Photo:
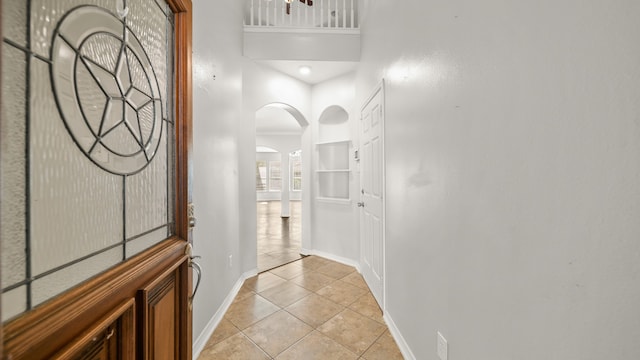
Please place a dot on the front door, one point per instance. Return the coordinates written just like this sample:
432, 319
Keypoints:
95, 133
371, 194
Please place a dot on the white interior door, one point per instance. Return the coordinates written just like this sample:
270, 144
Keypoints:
371, 194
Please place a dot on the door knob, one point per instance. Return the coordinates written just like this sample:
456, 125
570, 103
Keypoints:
361, 204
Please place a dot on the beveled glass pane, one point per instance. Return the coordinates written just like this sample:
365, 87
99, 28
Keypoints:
45, 15
14, 21
13, 165
59, 281
76, 207
144, 242
162, 4
14, 302
100, 147
149, 24
146, 194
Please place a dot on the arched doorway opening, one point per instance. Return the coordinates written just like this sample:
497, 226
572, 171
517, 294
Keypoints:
279, 189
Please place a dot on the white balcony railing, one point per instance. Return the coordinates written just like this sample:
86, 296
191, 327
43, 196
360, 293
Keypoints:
323, 14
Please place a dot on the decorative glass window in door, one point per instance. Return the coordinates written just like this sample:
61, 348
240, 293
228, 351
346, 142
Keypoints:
87, 162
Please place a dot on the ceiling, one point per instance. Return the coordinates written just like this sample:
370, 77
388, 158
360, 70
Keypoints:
320, 70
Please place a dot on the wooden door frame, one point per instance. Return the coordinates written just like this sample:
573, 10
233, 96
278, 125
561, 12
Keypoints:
1, 37
41, 332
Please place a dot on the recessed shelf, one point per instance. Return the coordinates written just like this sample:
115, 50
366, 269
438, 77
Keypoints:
340, 201
335, 142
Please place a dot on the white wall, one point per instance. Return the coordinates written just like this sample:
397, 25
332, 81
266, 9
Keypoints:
217, 48
262, 86
224, 150
335, 225
513, 175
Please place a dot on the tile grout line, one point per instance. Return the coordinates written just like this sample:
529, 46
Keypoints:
341, 308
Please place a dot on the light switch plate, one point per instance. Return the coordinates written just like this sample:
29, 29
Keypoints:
443, 347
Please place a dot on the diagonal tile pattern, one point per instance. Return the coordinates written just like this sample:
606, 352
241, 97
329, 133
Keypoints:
313, 308
278, 237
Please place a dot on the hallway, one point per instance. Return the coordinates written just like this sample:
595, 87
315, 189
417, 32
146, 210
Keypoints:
312, 308
278, 237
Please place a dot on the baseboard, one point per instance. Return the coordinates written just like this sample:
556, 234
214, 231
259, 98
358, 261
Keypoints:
397, 336
204, 336
329, 256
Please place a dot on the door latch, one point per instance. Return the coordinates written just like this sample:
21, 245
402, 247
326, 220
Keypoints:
190, 216
361, 204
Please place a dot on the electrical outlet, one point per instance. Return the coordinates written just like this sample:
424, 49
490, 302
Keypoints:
442, 347
230, 261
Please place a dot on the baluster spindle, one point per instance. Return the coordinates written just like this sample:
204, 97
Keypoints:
259, 12
321, 13
275, 14
353, 25
344, 13
268, 14
252, 5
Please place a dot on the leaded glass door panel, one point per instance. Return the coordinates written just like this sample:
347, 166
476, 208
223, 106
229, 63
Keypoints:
93, 160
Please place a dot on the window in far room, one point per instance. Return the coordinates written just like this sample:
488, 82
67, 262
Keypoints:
295, 161
275, 176
261, 175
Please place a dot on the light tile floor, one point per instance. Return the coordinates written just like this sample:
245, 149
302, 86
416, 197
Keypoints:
278, 237
309, 309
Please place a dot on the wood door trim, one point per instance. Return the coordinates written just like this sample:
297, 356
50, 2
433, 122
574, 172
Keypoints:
184, 112
126, 307
1, 37
184, 148
47, 328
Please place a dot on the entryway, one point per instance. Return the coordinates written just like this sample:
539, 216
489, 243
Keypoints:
278, 237
279, 130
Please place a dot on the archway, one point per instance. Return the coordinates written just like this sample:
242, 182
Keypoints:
279, 130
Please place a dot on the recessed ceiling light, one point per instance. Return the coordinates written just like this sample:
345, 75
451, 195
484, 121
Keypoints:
305, 70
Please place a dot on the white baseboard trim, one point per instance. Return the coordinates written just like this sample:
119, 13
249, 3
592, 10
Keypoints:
329, 256
204, 336
397, 336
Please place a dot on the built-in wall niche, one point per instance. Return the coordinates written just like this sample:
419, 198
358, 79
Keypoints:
333, 170
333, 125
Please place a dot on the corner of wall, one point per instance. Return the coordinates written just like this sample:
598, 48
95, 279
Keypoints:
201, 341
397, 336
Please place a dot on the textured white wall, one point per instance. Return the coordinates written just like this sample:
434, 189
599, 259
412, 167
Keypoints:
335, 225
217, 105
513, 175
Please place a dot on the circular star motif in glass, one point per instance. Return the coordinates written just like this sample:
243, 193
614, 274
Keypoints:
106, 90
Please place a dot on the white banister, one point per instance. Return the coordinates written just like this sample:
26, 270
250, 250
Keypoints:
331, 14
